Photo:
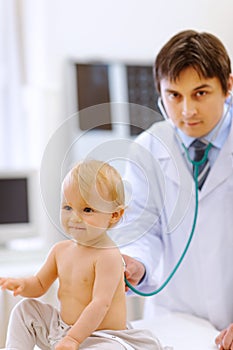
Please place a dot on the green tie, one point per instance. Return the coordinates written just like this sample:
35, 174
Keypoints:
197, 151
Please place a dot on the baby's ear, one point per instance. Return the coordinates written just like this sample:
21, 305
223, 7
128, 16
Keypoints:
116, 216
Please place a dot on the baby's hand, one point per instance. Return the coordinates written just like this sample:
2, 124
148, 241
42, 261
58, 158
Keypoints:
16, 285
67, 343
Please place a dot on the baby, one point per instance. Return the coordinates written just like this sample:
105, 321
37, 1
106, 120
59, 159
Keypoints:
90, 271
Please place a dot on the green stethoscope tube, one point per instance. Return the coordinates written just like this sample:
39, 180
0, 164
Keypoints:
196, 166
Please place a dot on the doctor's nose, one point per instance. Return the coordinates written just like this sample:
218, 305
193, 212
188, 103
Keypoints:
188, 109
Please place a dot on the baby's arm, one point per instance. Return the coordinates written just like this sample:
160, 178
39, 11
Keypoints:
34, 286
26, 287
108, 273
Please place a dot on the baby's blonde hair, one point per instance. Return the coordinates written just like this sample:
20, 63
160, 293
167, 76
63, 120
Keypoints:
101, 177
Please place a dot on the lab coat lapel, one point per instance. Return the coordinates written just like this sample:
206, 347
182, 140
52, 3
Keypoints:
175, 168
222, 167
176, 173
171, 158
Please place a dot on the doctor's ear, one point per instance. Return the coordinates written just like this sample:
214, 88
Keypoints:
230, 85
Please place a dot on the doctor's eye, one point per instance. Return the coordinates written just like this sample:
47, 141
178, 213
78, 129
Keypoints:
201, 93
174, 95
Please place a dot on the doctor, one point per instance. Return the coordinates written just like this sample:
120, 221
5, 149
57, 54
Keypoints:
193, 77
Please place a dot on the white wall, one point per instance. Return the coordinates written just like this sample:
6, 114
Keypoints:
56, 31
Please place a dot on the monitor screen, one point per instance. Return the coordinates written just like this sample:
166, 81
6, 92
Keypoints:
141, 91
14, 201
113, 84
93, 89
18, 204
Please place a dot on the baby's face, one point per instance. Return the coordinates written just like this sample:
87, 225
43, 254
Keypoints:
85, 222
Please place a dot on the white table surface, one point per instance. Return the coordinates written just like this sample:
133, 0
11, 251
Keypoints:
181, 331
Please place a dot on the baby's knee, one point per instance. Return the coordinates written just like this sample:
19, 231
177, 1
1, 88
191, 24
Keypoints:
25, 306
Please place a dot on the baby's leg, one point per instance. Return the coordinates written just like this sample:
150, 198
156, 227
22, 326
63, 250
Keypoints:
94, 343
128, 339
30, 324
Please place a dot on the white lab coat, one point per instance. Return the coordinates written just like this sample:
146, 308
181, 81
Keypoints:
160, 217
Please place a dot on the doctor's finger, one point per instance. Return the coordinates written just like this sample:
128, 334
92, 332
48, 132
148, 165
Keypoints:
228, 338
219, 338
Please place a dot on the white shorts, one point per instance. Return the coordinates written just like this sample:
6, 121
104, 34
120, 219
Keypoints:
33, 322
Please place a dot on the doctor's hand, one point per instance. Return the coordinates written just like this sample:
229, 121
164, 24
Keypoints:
224, 340
134, 270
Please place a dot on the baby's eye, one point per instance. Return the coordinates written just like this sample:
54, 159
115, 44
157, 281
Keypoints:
67, 207
88, 210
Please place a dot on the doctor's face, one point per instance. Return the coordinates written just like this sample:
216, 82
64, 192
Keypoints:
193, 103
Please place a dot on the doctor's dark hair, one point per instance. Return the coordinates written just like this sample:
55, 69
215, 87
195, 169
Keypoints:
202, 51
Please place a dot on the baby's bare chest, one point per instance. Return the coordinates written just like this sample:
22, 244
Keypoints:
76, 270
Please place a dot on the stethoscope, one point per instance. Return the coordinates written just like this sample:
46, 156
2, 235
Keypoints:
196, 165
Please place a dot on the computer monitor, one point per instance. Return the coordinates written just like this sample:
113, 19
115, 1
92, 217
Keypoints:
19, 196
109, 82
92, 89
